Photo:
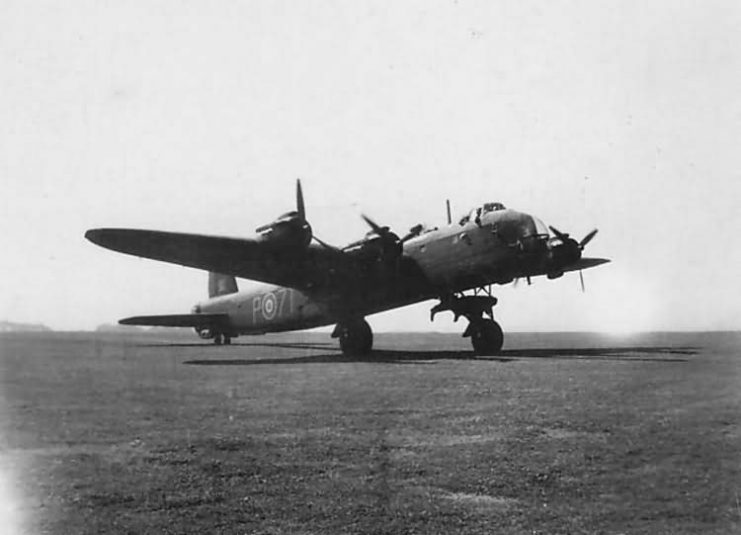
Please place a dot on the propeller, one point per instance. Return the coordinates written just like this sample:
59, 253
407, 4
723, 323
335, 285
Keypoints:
384, 231
569, 250
378, 229
300, 209
392, 245
301, 215
292, 229
564, 237
586, 239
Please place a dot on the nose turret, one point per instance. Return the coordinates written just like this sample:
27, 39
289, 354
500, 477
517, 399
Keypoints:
520, 230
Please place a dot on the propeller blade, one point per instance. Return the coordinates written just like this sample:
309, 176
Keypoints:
581, 279
375, 226
392, 246
415, 231
300, 201
559, 234
587, 239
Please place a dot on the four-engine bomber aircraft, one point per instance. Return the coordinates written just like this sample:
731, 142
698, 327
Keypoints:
311, 283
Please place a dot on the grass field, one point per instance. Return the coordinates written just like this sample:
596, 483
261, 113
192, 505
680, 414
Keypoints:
563, 433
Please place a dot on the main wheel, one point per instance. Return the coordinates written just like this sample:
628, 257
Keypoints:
218, 339
356, 338
487, 337
227, 340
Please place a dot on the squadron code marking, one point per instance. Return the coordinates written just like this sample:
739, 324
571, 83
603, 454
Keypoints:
273, 304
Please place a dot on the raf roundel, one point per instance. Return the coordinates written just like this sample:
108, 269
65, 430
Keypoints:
269, 306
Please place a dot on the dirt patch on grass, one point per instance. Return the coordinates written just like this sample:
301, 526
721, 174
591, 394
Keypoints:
435, 440
480, 500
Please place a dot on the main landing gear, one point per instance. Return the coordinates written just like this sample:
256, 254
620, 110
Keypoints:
486, 335
222, 339
356, 337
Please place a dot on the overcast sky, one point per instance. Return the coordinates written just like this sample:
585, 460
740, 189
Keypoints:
198, 117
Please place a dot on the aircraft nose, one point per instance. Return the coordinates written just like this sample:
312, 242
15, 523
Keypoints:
522, 230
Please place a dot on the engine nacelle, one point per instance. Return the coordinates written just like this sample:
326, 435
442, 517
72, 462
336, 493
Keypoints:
289, 230
385, 248
562, 253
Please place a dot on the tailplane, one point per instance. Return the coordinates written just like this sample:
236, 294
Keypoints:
219, 284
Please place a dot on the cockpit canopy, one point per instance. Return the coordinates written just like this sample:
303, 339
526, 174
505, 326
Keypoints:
481, 210
493, 207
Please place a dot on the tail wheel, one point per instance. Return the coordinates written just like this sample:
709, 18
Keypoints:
356, 338
487, 337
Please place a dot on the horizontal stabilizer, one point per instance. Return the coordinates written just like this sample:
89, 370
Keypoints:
586, 263
178, 320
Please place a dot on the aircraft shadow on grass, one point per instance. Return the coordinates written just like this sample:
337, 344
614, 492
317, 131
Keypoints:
638, 354
288, 345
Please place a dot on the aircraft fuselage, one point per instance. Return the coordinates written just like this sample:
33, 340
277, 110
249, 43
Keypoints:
478, 251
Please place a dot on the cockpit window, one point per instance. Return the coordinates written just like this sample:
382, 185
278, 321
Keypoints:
493, 207
476, 213
540, 227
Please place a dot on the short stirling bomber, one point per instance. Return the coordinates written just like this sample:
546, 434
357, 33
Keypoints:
309, 283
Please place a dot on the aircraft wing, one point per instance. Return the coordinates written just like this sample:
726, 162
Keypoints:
178, 320
586, 263
302, 268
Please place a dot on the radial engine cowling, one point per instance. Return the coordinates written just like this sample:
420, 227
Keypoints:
289, 230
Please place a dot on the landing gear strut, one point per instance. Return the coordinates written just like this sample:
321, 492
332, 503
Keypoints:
356, 337
222, 339
486, 335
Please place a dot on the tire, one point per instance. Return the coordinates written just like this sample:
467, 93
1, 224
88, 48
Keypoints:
356, 338
487, 338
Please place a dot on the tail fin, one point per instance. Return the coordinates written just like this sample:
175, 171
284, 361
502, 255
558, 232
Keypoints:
219, 284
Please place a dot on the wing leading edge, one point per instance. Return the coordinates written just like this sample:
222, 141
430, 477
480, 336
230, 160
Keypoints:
586, 263
246, 258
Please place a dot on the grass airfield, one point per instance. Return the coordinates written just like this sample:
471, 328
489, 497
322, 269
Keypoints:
562, 433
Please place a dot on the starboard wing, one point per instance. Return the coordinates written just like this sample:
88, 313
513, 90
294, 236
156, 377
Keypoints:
301, 268
586, 263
